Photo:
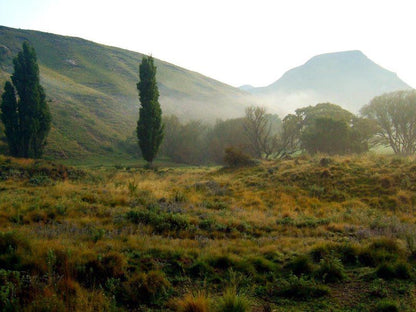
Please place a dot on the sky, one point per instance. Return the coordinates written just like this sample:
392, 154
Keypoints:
236, 42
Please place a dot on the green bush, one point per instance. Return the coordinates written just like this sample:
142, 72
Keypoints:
299, 288
162, 222
380, 251
147, 287
386, 306
300, 265
331, 270
231, 301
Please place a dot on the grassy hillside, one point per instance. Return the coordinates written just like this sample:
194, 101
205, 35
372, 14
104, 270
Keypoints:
92, 91
308, 234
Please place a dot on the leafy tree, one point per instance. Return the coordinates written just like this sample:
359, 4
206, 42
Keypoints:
184, 143
325, 128
226, 134
395, 114
258, 127
149, 125
26, 118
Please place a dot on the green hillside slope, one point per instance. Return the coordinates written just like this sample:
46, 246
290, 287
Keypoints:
92, 91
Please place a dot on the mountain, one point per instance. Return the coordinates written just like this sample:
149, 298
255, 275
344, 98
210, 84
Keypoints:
91, 89
349, 79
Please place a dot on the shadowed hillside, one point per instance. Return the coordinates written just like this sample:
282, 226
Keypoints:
92, 92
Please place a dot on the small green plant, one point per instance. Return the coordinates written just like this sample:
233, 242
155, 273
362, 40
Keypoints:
231, 301
132, 187
331, 270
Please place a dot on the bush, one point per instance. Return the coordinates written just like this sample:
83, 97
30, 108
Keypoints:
299, 288
386, 306
389, 271
331, 270
300, 265
147, 287
12, 246
233, 302
236, 158
380, 251
161, 222
193, 303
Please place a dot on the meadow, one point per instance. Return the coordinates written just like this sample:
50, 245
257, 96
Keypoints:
304, 234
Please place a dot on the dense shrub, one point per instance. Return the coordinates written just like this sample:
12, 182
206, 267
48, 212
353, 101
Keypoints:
146, 287
380, 251
236, 158
386, 306
162, 222
299, 288
300, 265
331, 270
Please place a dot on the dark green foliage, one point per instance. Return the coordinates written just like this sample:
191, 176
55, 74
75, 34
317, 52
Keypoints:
386, 306
147, 287
149, 125
300, 265
299, 288
10, 117
331, 270
162, 222
390, 271
26, 119
326, 128
380, 251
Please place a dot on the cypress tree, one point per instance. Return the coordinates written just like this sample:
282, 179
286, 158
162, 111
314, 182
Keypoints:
149, 125
28, 118
9, 117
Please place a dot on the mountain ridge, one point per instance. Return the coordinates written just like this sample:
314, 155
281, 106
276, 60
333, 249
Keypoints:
346, 78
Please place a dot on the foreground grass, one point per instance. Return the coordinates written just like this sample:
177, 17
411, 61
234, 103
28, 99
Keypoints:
308, 234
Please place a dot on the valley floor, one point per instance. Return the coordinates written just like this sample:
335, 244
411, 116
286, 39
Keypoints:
306, 234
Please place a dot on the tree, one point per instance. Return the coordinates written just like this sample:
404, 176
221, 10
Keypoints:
395, 114
149, 125
26, 118
325, 128
258, 127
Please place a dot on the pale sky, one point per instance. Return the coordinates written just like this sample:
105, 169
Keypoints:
236, 42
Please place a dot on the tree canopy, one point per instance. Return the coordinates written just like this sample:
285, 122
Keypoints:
149, 125
326, 128
395, 114
25, 113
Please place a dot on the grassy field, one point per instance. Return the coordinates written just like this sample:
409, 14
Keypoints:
306, 234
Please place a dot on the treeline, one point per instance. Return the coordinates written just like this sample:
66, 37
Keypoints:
388, 120
195, 142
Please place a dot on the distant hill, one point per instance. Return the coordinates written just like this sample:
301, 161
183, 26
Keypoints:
92, 91
349, 79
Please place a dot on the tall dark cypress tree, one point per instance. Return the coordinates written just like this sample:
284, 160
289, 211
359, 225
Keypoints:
10, 118
29, 123
149, 125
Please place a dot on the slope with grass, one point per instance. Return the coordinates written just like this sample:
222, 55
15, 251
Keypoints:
308, 234
92, 91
